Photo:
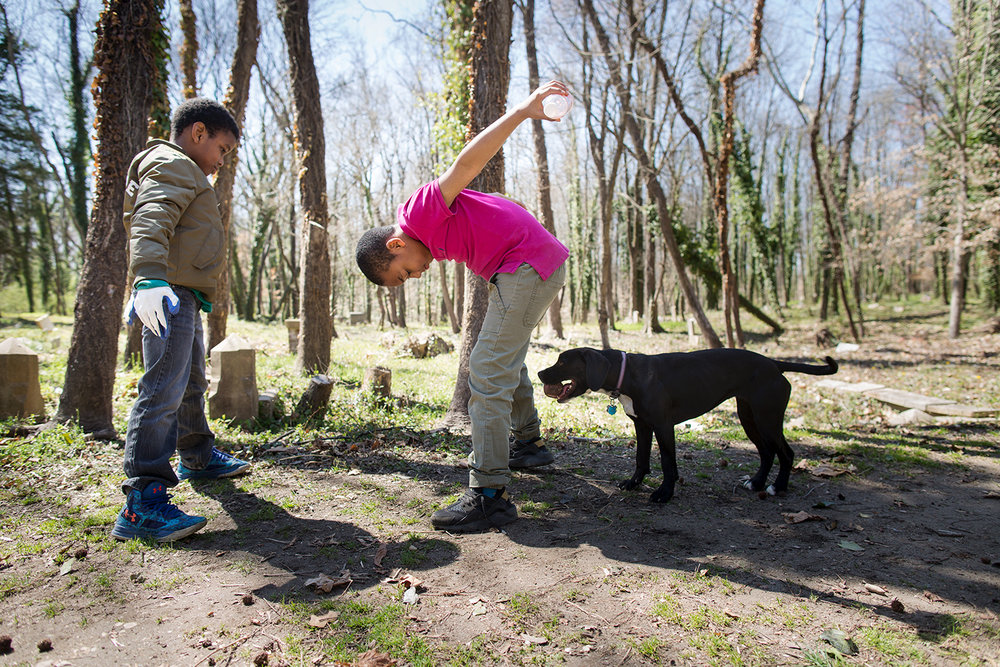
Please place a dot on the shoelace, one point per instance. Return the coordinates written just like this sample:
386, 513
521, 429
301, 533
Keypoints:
162, 505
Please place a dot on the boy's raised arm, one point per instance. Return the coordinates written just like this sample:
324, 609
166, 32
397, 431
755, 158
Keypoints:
485, 145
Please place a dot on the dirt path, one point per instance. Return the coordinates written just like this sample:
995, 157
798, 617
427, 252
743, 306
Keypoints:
888, 535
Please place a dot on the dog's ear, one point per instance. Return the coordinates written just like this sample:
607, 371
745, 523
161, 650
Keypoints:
597, 369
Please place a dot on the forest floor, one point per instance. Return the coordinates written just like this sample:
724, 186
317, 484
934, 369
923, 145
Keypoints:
885, 550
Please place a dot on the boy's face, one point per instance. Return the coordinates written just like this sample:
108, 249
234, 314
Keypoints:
207, 150
410, 258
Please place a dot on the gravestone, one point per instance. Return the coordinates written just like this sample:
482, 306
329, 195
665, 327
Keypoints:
293, 335
232, 392
20, 392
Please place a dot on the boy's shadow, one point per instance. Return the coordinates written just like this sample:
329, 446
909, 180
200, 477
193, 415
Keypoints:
290, 550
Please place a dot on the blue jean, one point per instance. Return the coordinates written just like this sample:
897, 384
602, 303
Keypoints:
502, 397
169, 414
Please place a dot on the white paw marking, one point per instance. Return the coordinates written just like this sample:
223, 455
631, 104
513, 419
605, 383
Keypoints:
771, 491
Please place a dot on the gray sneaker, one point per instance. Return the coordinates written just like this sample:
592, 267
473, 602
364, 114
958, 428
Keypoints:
475, 511
529, 455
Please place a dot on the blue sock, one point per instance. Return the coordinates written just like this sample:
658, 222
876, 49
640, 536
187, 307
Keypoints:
490, 493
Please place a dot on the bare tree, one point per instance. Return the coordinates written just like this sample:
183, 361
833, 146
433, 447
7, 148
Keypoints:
316, 317
247, 37
541, 154
645, 162
125, 58
491, 34
189, 49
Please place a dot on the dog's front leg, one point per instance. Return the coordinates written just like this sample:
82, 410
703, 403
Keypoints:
668, 462
643, 445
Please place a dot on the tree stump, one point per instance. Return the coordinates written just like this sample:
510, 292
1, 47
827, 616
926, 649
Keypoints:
316, 396
378, 382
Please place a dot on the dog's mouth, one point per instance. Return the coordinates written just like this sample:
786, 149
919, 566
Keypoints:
560, 392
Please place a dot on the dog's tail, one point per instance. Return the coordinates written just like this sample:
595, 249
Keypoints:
829, 369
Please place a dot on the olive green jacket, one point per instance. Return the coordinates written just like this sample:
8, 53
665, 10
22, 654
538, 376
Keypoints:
172, 220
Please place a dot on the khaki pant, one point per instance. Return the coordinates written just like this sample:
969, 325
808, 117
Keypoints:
502, 398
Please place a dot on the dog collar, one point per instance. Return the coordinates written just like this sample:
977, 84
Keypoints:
621, 376
618, 389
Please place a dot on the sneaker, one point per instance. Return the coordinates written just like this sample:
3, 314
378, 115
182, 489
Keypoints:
475, 511
150, 514
529, 455
220, 465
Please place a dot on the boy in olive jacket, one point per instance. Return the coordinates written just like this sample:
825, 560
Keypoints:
177, 248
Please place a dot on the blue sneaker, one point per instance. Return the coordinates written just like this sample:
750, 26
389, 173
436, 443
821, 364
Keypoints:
220, 465
150, 514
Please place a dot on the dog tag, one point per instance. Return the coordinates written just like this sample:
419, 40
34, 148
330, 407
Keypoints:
612, 409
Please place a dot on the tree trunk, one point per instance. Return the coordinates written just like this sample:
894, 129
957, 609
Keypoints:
491, 34
124, 56
79, 148
317, 321
449, 304
189, 49
958, 251
247, 37
730, 287
541, 154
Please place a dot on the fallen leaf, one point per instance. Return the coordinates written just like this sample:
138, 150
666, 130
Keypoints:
850, 546
323, 620
67, 566
800, 517
944, 532
373, 658
897, 606
840, 641
529, 639
827, 470
409, 581
994, 495
380, 554
479, 609
327, 584
878, 590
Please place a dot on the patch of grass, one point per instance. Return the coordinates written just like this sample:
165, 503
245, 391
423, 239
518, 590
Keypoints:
521, 611
533, 509
13, 583
363, 626
893, 642
52, 608
649, 648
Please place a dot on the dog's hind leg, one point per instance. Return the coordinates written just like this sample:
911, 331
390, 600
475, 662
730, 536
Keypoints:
764, 448
643, 446
768, 419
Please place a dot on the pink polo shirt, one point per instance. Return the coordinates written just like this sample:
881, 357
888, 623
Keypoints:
490, 234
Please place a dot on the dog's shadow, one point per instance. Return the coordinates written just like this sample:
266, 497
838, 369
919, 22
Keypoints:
714, 525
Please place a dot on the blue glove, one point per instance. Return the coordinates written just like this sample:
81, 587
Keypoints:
147, 305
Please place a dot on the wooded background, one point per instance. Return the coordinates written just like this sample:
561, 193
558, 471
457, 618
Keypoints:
739, 156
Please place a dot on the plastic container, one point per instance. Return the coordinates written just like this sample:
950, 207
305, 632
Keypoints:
556, 106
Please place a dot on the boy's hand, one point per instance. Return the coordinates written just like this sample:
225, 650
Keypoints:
147, 305
485, 145
532, 105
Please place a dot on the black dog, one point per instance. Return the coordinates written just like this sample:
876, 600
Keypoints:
662, 390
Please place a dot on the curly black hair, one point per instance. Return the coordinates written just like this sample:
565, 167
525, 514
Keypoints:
201, 109
372, 256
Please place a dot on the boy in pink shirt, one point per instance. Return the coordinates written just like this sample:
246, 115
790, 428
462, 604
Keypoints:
525, 266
